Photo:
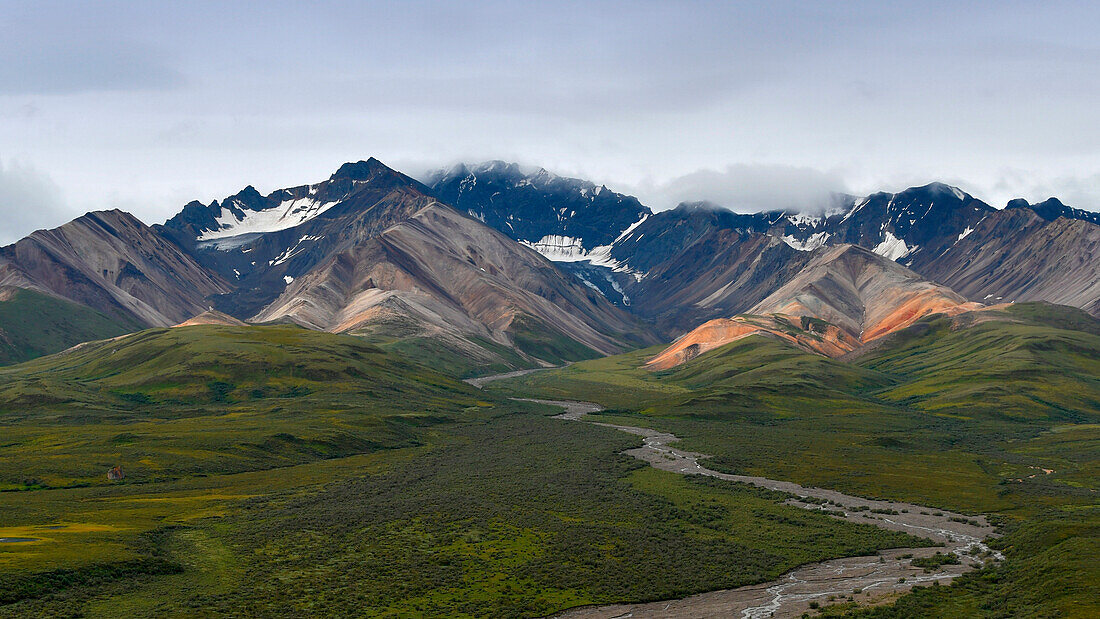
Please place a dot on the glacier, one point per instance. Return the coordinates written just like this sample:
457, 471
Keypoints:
892, 247
286, 214
814, 241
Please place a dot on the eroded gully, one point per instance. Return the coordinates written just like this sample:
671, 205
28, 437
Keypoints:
866, 579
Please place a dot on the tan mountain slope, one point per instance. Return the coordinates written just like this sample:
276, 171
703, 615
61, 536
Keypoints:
846, 296
213, 317
442, 272
1016, 255
112, 262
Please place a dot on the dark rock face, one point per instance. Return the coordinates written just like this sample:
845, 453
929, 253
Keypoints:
701, 261
723, 272
668, 233
913, 226
299, 204
298, 229
1052, 208
531, 206
370, 245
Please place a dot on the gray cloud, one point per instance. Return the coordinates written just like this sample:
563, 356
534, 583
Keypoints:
78, 48
87, 66
1076, 191
29, 200
142, 102
748, 188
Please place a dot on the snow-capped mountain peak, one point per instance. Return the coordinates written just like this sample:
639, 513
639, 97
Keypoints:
237, 218
538, 207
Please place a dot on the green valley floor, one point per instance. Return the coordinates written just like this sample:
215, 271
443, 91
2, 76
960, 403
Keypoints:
275, 471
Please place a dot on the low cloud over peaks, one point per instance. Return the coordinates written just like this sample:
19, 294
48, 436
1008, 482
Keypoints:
749, 188
29, 200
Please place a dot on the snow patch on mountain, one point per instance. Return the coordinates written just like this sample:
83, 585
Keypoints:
964, 233
296, 249
617, 288
855, 208
814, 241
568, 249
803, 220
586, 282
892, 247
286, 214
625, 233
560, 248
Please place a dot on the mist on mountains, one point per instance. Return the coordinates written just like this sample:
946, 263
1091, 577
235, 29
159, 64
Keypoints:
29, 200
748, 188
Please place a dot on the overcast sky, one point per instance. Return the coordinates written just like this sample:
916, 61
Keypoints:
148, 105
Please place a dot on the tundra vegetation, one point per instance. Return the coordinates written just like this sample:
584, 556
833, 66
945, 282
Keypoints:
279, 471
1000, 418
275, 470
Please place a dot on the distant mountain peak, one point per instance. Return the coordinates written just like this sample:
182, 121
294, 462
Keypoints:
537, 207
942, 188
497, 166
1053, 208
248, 192
248, 212
361, 170
701, 206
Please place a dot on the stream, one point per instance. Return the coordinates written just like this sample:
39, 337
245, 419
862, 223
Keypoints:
867, 580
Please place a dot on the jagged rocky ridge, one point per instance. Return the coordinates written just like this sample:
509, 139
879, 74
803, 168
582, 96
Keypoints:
372, 250
370, 247
564, 218
701, 261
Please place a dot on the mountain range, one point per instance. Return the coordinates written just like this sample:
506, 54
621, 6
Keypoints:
257, 406
710, 254
844, 297
501, 266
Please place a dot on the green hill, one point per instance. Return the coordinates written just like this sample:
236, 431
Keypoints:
1029, 361
966, 413
166, 403
273, 470
33, 324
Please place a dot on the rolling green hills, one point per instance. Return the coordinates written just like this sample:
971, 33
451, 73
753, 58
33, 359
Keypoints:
167, 403
1030, 361
275, 470
965, 413
33, 324
534, 344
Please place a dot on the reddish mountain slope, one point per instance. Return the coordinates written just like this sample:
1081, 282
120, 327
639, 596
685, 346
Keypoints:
844, 297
